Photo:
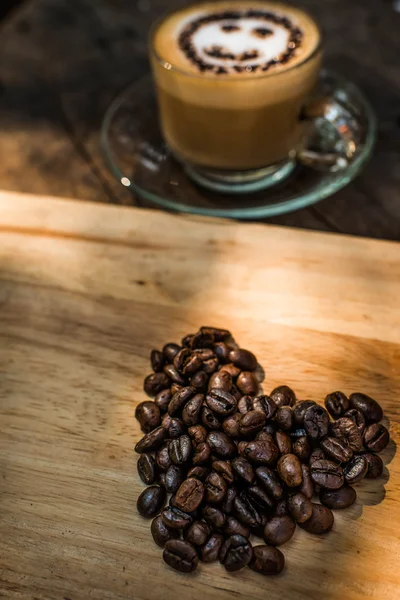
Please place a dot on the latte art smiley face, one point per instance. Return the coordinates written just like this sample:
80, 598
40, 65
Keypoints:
235, 42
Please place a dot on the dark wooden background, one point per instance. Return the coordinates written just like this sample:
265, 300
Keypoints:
62, 62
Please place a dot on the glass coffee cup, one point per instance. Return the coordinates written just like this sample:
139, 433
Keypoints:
232, 81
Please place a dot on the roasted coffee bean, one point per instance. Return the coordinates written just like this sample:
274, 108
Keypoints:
376, 437
302, 448
189, 495
243, 469
151, 501
181, 556
270, 482
375, 465
264, 436
146, 467
180, 359
231, 369
221, 351
151, 441
358, 418
173, 479
217, 333
162, 400
209, 419
245, 404
267, 560
210, 551
347, 430
199, 381
236, 553
148, 415
221, 444
161, 479
222, 403
289, 469
234, 527
299, 507
279, 530
299, 411
247, 383
316, 454
281, 508
179, 400
192, 410
227, 505
230, 425
244, 359
266, 405
337, 404
307, 487
175, 518
161, 533
198, 433
224, 468
316, 422
261, 452
175, 388
201, 454
180, 450
187, 340
154, 383
197, 533
176, 428
260, 499
245, 512
338, 499
192, 364
215, 488
356, 469
283, 442
210, 365
163, 459
284, 417
202, 339
220, 380
170, 351
321, 520
173, 375
336, 449
251, 422
283, 395
204, 353
214, 516
327, 474
199, 472
367, 406
157, 360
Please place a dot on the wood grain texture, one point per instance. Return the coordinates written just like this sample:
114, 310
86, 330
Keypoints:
86, 291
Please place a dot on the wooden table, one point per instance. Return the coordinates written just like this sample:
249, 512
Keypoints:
62, 61
86, 291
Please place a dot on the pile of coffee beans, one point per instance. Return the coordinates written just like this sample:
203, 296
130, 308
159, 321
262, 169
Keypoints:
238, 464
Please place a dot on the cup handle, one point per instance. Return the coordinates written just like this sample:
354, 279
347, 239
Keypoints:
331, 136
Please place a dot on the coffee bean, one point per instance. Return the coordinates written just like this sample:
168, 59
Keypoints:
221, 444
267, 560
279, 530
302, 448
283, 442
192, 410
327, 474
173, 479
210, 365
367, 406
358, 418
148, 415
337, 404
201, 454
175, 388
151, 441
170, 351
234, 527
203, 339
215, 487
316, 422
161, 533
243, 469
227, 505
261, 452
221, 380
175, 518
218, 334
265, 436
284, 417
192, 364
376, 437
179, 400
146, 467
199, 472
347, 430
231, 369
260, 499
180, 359
198, 433
162, 399
162, 459
157, 360
181, 556
151, 501
176, 427
245, 511
338, 499
213, 516
375, 465
211, 549
209, 419
180, 450
224, 468
299, 411
356, 469
222, 352
231, 424
199, 381
189, 495
173, 375
245, 404
336, 449
270, 482
154, 383
204, 353
244, 359
161, 479
300, 507
316, 454
281, 509
187, 340
289, 469
235, 553
247, 383
266, 405
251, 422
321, 520
222, 403
307, 487
197, 533
283, 395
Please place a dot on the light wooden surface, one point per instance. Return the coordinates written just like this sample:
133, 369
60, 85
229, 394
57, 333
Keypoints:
86, 291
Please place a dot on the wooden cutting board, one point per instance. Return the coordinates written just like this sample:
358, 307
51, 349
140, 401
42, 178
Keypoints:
86, 291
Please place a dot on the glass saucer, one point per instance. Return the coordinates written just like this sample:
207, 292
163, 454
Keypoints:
139, 158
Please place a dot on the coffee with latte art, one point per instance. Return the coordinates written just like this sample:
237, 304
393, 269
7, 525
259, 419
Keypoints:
231, 79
